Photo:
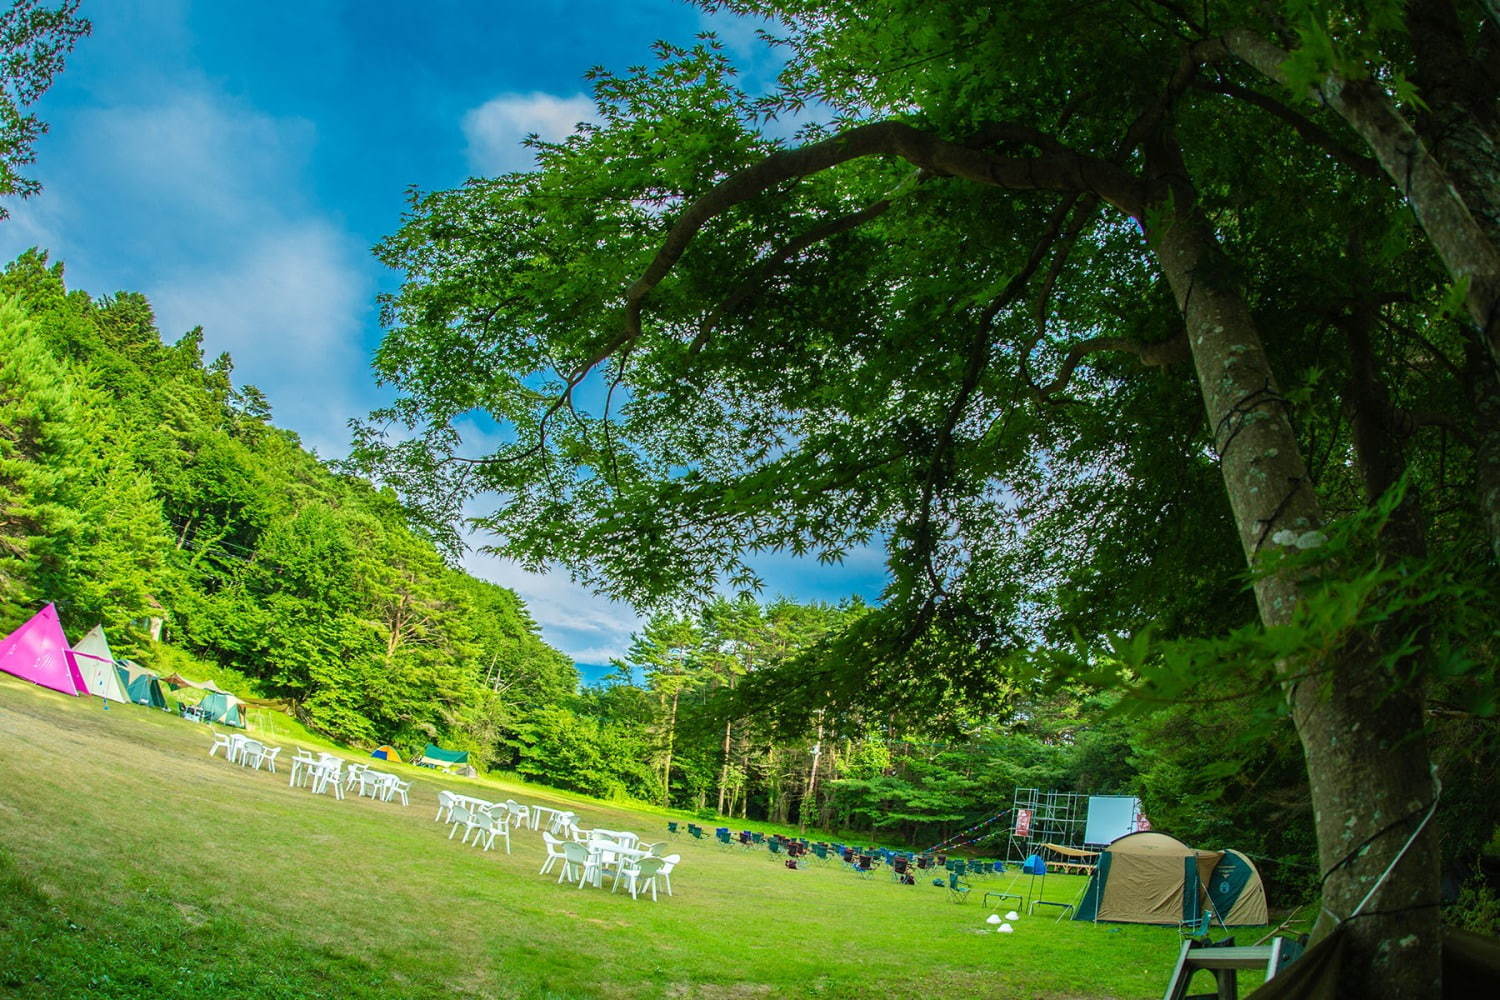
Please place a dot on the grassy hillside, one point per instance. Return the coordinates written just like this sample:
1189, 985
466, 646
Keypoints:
133, 865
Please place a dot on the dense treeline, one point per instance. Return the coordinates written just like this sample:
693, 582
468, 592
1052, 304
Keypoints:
675, 727
141, 488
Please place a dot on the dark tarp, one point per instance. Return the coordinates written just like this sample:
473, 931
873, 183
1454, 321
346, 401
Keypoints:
1471, 968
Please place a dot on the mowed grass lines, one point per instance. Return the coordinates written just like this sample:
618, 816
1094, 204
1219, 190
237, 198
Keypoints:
133, 865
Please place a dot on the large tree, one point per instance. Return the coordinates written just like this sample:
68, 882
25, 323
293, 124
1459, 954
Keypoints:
971, 310
34, 40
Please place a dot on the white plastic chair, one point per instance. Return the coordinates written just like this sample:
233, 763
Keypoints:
469, 817
325, 775
445, 806
554, 852
640, 874
398, 787
576, 856
268, 757
498, 826
520, 816
352, 774
667, 864
250, 753
302, 762
221, 742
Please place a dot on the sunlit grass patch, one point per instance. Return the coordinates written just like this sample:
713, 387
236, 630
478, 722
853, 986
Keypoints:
134, 865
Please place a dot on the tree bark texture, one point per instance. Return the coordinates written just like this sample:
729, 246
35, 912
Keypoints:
1366, 754
1452, 225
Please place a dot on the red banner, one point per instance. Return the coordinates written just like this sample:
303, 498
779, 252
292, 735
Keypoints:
1023, 822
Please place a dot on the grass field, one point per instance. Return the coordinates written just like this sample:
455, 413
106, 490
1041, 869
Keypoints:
133, 865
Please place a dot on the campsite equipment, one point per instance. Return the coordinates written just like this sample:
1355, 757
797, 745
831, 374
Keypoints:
141, 685
96, 665
386, 752
1151, 878
436, 756
38, 652
220, 706
100, 676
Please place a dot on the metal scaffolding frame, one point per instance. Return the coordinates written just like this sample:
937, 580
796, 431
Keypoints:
1056, 818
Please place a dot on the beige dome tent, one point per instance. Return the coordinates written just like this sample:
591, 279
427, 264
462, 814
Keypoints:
1151, 878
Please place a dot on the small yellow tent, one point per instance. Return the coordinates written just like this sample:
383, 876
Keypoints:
386, 752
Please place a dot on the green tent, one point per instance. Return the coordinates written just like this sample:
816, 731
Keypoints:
141, 685
436, 756
223, 707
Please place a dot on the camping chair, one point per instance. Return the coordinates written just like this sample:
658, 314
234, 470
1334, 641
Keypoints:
820, 851
696, 831
899, 867
774, 847
957, 891
672, 830
977, 867
498, 826
723, 836
866, 866
640, 874
554, 852
1197, 929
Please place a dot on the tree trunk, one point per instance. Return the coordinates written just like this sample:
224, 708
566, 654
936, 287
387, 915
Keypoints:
809, 792
1486, 396
724, 771
666, 770
1361, 734
1455, 228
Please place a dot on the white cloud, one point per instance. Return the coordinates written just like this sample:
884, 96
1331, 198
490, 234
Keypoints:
585, 626
202, 203
495, 129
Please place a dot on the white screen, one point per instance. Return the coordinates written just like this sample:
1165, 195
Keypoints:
1110, 817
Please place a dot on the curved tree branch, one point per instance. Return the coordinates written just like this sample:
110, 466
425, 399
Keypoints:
1301, 124
1055, 171
1155, 355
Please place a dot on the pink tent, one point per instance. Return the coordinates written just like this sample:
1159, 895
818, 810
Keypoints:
38, 652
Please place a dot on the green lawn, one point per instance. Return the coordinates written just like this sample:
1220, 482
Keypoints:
133, 865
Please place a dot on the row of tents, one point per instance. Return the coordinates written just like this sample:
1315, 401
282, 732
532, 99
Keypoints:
38, 651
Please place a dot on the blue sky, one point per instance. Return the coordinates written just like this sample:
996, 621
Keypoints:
236, 161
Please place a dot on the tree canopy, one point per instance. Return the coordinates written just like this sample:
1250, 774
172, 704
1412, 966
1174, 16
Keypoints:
1032, 292
35, 39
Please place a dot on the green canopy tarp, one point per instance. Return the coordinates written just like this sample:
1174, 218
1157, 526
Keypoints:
436, 756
